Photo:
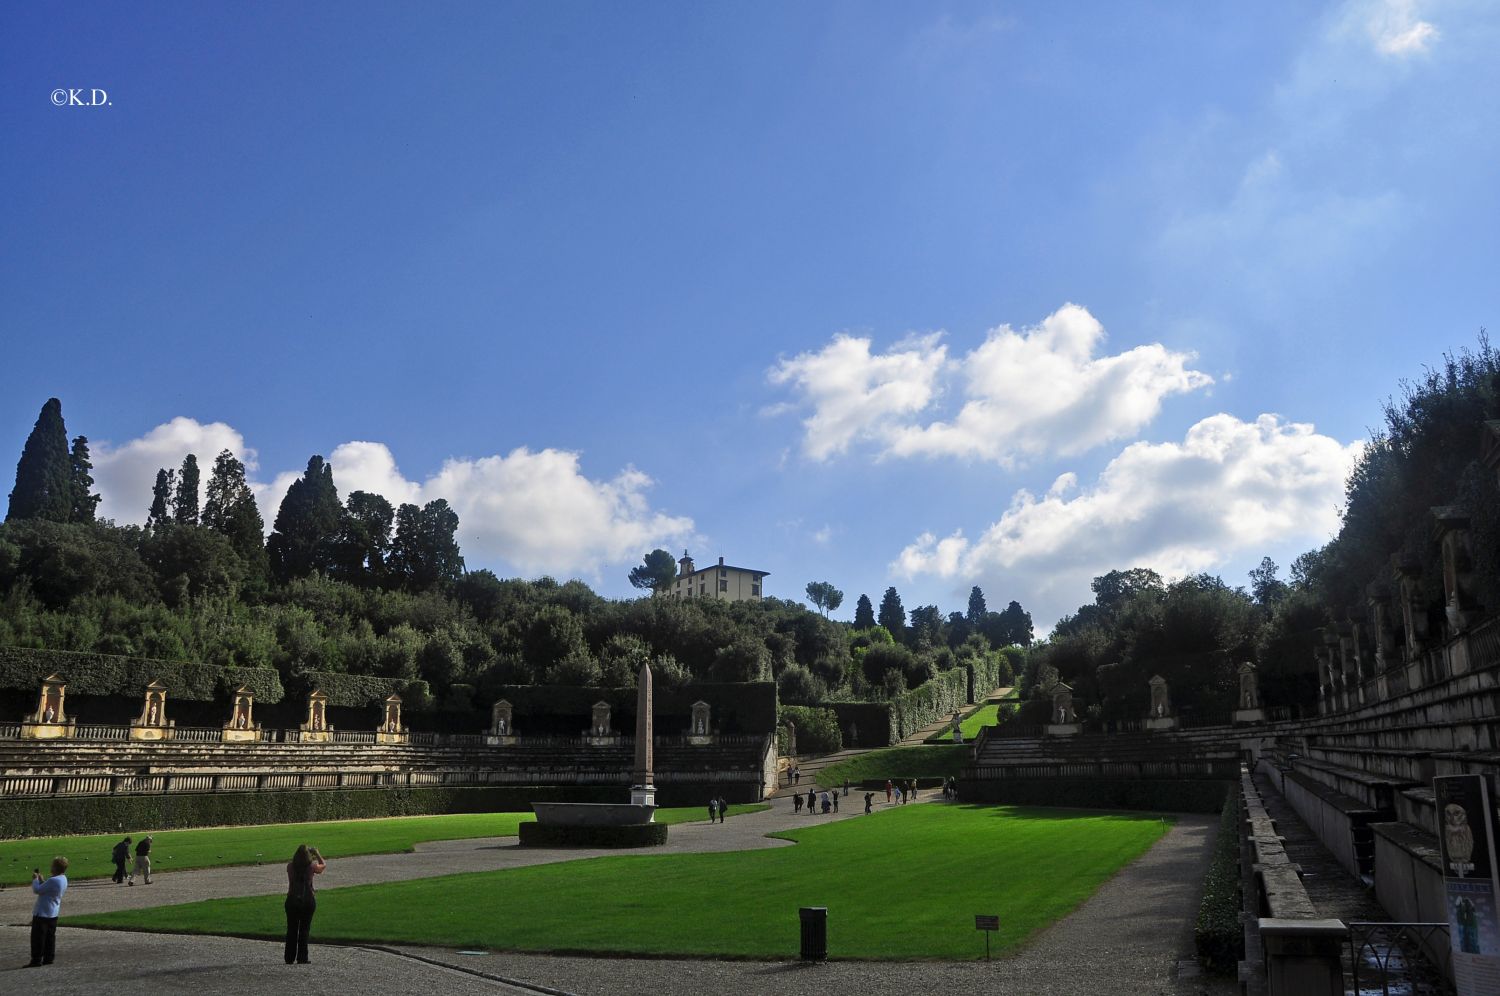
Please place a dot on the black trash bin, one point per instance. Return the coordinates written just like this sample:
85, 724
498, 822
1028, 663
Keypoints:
814, 933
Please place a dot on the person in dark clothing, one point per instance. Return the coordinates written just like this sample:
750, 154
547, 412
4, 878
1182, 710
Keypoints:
723, 808
797, 803
142, 862
301, 900
119, 856
812, 802
835, 800
846, 787
869, 801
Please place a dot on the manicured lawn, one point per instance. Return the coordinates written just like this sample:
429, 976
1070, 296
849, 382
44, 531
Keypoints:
903, 883
897, 762
274, 843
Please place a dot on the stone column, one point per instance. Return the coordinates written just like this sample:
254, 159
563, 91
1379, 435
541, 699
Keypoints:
643, 784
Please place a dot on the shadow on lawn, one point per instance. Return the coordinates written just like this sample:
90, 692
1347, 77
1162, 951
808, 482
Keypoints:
1070, 813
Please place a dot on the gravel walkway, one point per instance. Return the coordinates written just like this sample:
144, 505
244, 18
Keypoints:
1128, 938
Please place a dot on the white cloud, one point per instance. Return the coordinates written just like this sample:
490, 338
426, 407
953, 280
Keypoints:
126, 474
1395, 29
532, 512
857, 395
1040, 390
1230, 487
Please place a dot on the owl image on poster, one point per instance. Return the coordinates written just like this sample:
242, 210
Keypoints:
1459, 838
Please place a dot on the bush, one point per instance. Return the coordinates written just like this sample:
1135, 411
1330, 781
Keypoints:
1153, 795
817, 729
107, 674
358, 690
545, 835
1218, 935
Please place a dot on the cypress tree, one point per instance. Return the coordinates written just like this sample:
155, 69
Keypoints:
85, 502
864, 613
977, 609
307, 525
230, 509
44, 474
160, 513
186, 512
892, 613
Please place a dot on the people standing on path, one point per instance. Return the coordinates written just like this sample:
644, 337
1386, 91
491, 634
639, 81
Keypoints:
812, 800
796, 775
898, 796
911, 790
142, 862
119, 856
713, 809
827, 804
301, 900
869, 802
846, 788
888, 788
835, 800
723, 808
797, 803
49, 893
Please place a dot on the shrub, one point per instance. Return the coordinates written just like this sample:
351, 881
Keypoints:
1218, 935
817, 729
107, 674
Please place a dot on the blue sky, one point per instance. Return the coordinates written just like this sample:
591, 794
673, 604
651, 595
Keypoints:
920, 295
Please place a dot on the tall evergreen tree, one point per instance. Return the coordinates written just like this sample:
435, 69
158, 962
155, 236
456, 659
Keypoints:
85, 502
230, 509
44, 474
977, 608
186, 511
655, 572
307, 524
162, 497
864, 613
424, 551
892, 614
365, 539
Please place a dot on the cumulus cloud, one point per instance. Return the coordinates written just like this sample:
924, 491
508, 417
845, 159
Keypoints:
528, 511
1230, 487
1395, 29
125, 474
1042, 389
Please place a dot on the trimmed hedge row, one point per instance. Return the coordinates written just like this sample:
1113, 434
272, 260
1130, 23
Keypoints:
736, 708
882, 724
1218, 935
1156, 795
544, 835
107, 674
817, 730
358, 690
929, 702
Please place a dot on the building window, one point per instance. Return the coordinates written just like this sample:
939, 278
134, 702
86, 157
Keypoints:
723, 585
703, 589
723, 573
755, 589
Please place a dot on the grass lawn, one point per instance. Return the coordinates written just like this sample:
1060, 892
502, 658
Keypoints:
897, 762
175, 850
903, 883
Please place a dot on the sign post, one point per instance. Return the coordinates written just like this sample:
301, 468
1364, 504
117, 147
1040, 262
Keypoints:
988, 924
1471, 880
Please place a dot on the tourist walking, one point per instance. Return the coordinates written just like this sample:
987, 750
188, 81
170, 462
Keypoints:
713, 808
797, 803
835, 800
723, 808
119, 856
846, 788
796, 775
898, 796
142, 862
301, 900
911, 790
812, 801
888, 788
869, 802
49, 893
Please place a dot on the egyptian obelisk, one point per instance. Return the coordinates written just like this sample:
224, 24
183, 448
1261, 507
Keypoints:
643, 788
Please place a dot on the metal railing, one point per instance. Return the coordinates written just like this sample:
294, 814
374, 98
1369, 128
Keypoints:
1394, 957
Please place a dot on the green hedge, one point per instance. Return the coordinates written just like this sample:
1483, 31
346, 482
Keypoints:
358, 690
1218, 935
544, 835
737, 708
864, 724
817, 729
107, 674
1156, 795
929, 702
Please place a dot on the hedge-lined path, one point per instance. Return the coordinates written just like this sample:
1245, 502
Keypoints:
1127, 938
810, 766
920, 736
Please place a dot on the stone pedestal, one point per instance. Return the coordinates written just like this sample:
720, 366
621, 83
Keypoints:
390, 730
1161, 722
316, 729
152, 723
242, 727
502, 731
1257, 715
1062, 729
49, 722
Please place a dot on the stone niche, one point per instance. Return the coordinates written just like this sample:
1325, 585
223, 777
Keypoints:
1161, 716
601, 731
1450, 531
1064, 717
49, 721
701, 732
152, 723
241, 727
390, 730
502, 731
316, 729
1248, 708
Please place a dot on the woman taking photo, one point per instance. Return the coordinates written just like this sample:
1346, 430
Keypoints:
300, 900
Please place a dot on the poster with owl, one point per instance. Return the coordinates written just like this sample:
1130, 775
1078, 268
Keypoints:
1466, 844
1463, 817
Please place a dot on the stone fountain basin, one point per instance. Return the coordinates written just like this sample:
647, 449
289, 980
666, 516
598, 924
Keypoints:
593, 814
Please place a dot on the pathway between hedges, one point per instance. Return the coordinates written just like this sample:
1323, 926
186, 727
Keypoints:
1128, 938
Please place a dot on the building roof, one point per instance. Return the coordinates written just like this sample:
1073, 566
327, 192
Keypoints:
715, 567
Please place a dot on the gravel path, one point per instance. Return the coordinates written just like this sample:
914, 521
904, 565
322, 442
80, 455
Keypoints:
1128, 938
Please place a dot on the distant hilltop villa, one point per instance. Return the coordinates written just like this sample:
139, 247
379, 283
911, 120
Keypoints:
730, 584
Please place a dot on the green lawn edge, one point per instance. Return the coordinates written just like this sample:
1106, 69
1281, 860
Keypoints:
919, 761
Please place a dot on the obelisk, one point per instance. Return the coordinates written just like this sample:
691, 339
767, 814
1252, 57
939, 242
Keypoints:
643, 788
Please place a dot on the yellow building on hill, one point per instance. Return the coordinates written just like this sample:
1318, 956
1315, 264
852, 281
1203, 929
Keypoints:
729, 584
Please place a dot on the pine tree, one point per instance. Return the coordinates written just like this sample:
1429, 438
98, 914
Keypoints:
892, 614
186, 511
44, 474
159, 515
977, 608
424, 551
307, 525
85, 502
864, 613
230, 509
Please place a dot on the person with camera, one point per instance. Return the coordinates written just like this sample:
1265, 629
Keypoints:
49, 893
301, 900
